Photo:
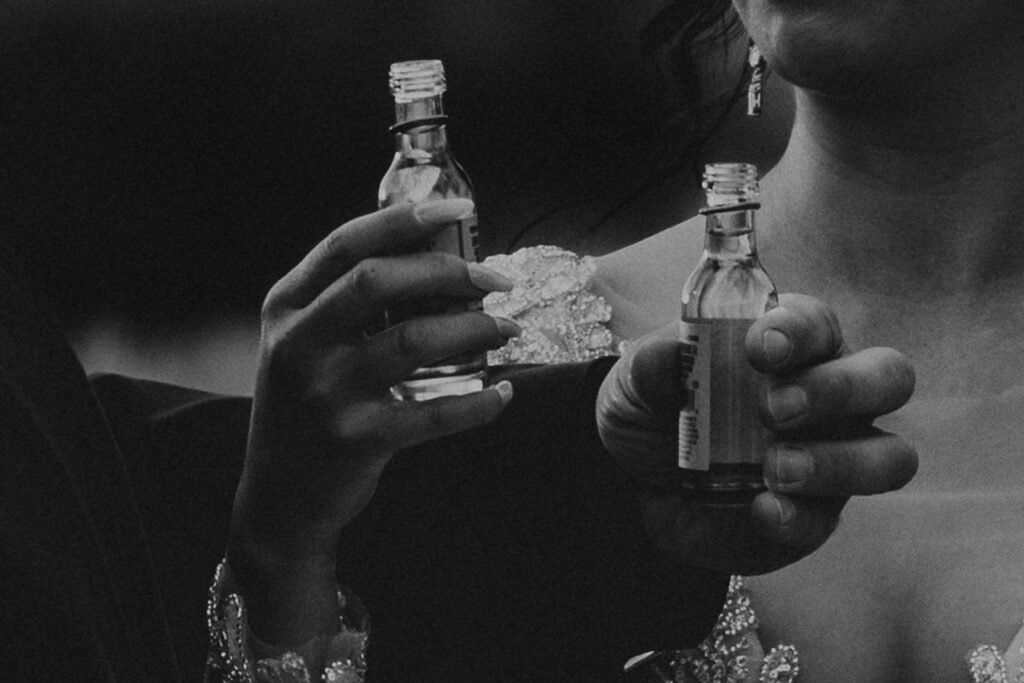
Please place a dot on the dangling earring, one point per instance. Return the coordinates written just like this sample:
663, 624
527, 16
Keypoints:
757, 65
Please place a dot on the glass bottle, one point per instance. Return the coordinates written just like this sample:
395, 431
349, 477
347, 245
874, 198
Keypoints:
423, 168
721, 437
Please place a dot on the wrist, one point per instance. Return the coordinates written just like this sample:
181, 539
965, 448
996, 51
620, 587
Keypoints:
290, 596
238, 653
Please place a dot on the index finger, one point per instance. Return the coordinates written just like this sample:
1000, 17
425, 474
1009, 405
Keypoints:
396, 229
802, 331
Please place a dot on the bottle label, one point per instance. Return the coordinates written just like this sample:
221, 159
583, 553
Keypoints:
460, 238
719, 422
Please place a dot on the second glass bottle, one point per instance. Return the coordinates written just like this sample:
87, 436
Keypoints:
722, 440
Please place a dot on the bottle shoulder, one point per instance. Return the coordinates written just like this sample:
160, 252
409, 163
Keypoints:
728, 289
420, 178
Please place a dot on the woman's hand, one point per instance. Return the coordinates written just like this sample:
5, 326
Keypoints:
324, 422
820, 400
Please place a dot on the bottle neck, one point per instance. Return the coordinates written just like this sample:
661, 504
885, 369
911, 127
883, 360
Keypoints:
730, 234
419, 126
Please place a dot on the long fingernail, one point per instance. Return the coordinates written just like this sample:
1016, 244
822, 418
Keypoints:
507, 328
504, 389
788, 466
441, 211
487, 280
777, 346
787, 403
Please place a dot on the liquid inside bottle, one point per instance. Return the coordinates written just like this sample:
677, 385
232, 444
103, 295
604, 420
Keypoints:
722, 440
423, 168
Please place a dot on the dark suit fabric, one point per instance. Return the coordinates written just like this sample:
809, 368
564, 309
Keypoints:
510, 553
514, 552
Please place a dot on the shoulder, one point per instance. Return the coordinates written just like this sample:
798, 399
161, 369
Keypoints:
643, 282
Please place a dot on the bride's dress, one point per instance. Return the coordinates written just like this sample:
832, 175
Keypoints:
821, 603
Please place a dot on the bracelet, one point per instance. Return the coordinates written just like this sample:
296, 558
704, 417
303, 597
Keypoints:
234, 649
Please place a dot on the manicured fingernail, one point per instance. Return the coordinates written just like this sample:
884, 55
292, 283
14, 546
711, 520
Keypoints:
787, 403
487, 280
777, 346
441, 211
789, 466
507, 328
504, 389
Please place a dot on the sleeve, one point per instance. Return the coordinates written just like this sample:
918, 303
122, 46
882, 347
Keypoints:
183, 450
516, 552
635, 598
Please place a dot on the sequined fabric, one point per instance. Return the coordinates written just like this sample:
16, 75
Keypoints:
562, 320
732, 652
232, 654
988, 665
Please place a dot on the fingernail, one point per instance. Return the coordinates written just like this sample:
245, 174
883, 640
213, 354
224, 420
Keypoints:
441, 211
787, 403
777, 346
507, 328
789, 466
504, 389
784, 509
487, 280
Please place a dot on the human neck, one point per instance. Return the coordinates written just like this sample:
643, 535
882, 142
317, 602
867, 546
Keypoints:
915, 238
935, 204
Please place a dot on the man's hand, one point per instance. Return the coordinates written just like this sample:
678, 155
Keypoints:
820, 399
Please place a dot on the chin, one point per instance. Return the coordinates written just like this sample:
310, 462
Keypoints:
835, 45
840, 58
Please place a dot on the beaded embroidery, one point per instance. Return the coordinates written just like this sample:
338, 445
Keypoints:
230, 655
988, 665
732, 652
563, 321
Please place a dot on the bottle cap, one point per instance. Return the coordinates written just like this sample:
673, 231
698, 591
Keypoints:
726, 184
416, 80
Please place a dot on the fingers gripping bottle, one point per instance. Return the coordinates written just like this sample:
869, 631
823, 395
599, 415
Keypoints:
423, 168
721, 438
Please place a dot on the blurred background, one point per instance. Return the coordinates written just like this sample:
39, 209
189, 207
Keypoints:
164, 162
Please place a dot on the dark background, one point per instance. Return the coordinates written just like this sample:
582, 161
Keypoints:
166, 161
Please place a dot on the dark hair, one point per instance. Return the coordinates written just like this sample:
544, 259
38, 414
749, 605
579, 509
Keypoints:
680, 39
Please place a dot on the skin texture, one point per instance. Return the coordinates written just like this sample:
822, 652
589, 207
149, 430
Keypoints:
324, 423
820, 399
897, 202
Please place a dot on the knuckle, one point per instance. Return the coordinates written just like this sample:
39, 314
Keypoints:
833, 391
436, 417
404, 340
270, 303
364, 279
441, 261
335, 252
279, 349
